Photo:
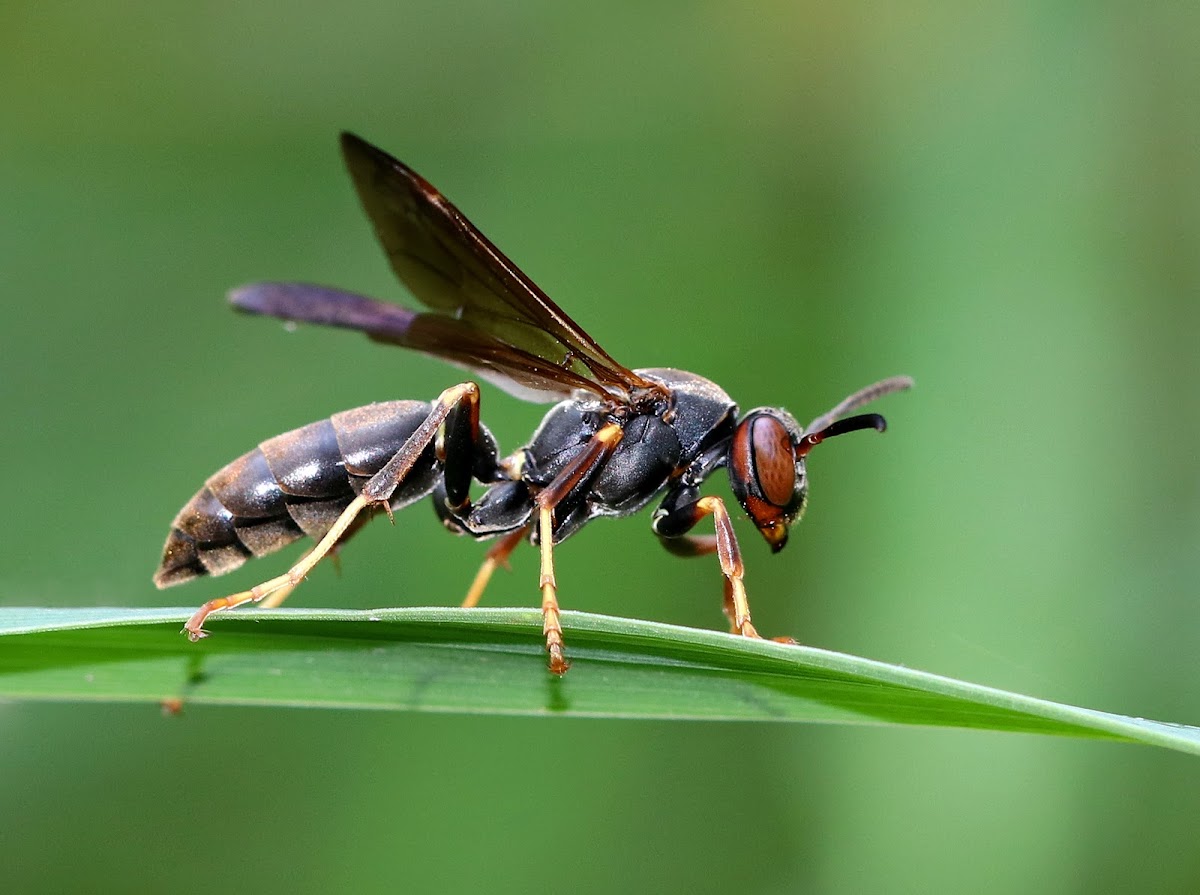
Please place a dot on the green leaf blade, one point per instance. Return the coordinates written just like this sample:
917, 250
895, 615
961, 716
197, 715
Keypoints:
492, 661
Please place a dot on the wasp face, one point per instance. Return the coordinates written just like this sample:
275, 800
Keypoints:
766, 472
766, 460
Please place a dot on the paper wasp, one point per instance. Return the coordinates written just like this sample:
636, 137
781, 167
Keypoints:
616, 438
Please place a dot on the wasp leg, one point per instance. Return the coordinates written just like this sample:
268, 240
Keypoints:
276, 598
576, 474
551, 623
496, 556
376, 492
671, 524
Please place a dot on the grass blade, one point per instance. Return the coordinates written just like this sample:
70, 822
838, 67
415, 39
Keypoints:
491, 660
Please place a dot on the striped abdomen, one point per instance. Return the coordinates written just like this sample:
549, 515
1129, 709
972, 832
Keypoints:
293, 485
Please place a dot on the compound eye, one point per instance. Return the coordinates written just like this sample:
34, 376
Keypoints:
772, 460
762, 474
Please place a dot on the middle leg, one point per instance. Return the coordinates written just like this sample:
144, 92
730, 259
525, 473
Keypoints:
576, 474
551, 623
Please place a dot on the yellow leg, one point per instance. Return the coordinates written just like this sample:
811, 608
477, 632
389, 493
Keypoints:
730, 556
496, 556
288, 580
273, 601
276, 598
376, 492
585, 464
551, 626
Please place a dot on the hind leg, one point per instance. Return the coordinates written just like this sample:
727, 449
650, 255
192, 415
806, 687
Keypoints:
375, 493
276, 598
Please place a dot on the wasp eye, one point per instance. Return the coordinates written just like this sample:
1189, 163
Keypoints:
763, 475
772, 460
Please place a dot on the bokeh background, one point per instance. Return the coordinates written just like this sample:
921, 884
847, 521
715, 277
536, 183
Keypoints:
1000, 199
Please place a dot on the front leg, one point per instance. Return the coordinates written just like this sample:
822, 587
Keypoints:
681, 510
376, 492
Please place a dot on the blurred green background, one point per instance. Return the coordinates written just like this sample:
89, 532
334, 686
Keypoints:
1002, 200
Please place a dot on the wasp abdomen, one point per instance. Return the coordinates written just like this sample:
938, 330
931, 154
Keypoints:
290, 486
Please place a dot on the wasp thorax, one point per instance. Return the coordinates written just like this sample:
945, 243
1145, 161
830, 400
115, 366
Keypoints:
766, 476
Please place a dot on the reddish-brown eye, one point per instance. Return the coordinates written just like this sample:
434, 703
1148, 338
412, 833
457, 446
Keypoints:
774, 460
762, 474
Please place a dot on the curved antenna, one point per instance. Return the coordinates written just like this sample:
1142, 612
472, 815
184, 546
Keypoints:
840, 427
857, 400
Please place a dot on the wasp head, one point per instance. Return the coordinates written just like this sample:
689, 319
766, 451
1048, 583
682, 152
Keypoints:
767, 457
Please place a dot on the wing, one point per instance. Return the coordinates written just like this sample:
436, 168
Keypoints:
519, 372
485, 314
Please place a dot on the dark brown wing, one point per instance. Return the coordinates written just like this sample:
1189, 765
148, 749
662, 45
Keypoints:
486, 314
517, 371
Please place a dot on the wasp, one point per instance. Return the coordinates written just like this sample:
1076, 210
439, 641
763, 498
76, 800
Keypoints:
614, 440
